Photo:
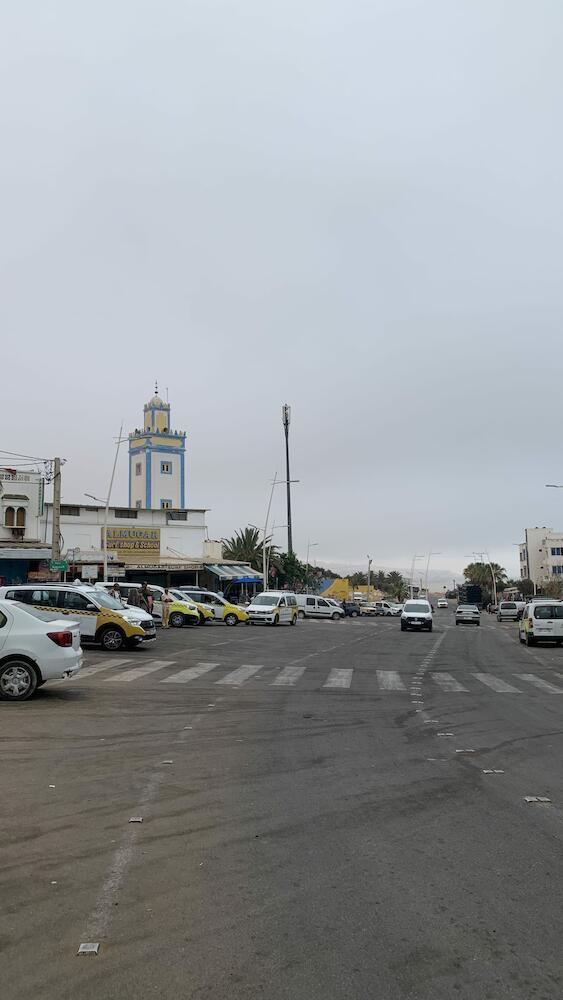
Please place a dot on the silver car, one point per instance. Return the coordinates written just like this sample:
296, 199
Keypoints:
508, 611
467, 614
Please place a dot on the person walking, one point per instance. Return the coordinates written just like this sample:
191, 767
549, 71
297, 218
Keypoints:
146, 598
166, 601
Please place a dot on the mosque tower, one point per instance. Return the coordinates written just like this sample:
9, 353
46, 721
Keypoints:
157, 460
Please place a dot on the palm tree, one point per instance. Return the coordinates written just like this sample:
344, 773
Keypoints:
246, 546
480, 572
396, 585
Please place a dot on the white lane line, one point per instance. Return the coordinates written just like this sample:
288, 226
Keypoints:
241, 675
389, 680
496, 684
190, 674
289, 675
447, 682
91, 671
132, 675
539, 683
339, 678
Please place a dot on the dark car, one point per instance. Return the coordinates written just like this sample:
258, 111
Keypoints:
351, 609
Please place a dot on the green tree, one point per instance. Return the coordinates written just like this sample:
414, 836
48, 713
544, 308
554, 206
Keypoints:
480, 573
289, 571
246, 546
396, 586
553, 588
358, 580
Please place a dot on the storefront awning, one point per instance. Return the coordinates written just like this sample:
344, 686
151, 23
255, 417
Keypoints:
235, 573
13, 552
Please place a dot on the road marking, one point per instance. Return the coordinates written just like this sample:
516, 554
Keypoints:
389, 680
447, 682
540, 683
190, 674
289, 675
132, 675
339, 678
104, 665
496, 684
241, 675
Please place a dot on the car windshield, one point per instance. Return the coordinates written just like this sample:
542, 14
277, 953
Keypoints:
265, 599
510, 605
180, 596
418, 608
100, 597
468, 607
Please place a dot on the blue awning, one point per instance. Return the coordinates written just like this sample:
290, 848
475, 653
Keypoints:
235, 573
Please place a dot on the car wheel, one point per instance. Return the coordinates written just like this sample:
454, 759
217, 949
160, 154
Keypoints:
301, 614
276, 620
231, 619
112, 638
293, 620
177, 619
430, 627
530, 640
18, 680
335, 616
521, 637
403, 627
353, 614
202, 618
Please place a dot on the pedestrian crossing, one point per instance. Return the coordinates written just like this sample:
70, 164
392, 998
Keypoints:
128, 671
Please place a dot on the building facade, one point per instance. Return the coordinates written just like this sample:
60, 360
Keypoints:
23, 551
541, 555
157, 458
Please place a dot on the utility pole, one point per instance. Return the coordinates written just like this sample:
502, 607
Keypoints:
286, 416
56, 540
370, 560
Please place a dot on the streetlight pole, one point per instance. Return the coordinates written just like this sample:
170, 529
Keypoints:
310, 545
286, 417
493, 576
275, 482
106, 502
370, 560
414, 558
427, 569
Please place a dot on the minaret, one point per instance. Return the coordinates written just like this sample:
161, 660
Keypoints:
157, 460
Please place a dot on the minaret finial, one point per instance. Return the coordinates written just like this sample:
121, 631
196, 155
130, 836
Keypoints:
156, 387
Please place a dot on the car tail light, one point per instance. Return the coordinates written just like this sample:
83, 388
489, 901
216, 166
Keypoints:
62, 638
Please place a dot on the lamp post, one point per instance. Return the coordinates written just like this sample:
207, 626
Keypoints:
310, 545
428, 567
493, 576
414, 558
370, 560
107, 501
286, 417
275, 482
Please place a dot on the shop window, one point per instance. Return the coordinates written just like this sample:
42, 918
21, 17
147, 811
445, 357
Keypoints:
125, 512
70, 510
10, 517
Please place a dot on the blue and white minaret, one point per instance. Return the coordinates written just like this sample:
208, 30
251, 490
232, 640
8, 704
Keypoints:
157, 458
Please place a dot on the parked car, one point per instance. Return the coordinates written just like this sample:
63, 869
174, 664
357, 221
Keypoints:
351, 608
467, 614
416, 614
182, 610
33, 651
273, 607
368, 609
388, 608
311, 606
223, 610
542, 619
102, 619
508, 611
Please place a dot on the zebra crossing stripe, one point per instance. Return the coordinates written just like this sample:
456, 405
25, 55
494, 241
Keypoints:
132, 675
539, 683
190, 674
339, 678
238, 677
289, 675
501, 687
447, 682
389, 680
103, 665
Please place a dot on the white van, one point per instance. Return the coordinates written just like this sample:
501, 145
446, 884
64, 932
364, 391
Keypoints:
311, 606
273, 607
541, 619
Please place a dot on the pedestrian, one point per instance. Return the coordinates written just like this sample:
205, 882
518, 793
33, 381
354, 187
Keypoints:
133, 599
146, 598
166, 601
115, 592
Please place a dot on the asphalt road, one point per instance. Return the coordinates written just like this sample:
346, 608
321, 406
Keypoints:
307, 832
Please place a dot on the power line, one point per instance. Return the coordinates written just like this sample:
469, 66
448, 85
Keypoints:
31, 458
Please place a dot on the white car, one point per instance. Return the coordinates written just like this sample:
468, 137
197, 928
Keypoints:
273, 607
442, 603
416, 614
33, 650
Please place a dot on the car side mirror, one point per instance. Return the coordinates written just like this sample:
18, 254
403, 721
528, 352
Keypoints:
91, 607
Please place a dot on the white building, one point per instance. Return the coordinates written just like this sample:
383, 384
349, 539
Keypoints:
541, 555
22, 553
157, 461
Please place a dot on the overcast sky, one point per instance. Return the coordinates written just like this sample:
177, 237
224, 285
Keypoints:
351, 206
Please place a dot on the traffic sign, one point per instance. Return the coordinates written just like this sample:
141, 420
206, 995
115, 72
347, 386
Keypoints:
58, 566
